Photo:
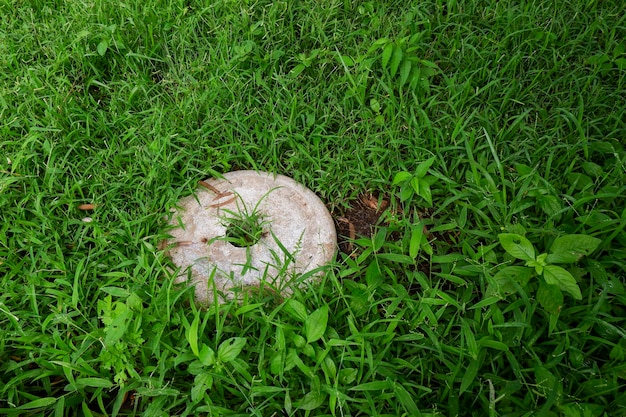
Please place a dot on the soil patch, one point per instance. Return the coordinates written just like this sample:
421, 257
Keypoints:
359, 220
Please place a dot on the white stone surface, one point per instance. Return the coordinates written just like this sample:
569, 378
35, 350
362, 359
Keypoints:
293, 217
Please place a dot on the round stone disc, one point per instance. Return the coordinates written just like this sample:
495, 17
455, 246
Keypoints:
293, 234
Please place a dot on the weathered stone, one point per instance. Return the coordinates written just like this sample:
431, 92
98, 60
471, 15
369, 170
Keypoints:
297, 235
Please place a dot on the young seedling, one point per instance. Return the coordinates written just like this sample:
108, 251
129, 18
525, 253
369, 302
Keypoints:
553, 279
417, 183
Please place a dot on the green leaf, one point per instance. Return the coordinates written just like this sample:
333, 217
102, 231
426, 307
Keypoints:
93, 382
470, 374
117, 328
401, 177
580, 181
192, 334
297, 70
423, 167
406, 400
296, 309
396, 58
59, 408
387, 50
315, 324
416, 77
550, 204
470, 340
86, 411
230, 349
38, 403
373, 275
571, 248
425, 192
417, 233
555, 275
115, 291
406, 192
517, 246
405, 71
312, 400
206, 356
201, 383
102, 47
373, 386
545, 381
415, 184
504, 280
578, 409
379, 239
396, 257
550, 297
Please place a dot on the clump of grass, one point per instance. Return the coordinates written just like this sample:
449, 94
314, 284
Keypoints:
520, 106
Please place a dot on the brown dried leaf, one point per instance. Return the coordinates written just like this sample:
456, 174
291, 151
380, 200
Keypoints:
223, 203
209, 186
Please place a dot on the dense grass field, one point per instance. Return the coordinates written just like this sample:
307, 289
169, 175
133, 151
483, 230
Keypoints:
494, 131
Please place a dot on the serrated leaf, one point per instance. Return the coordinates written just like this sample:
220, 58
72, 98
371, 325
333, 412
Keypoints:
571, 248
405, 71
102, 47
396, 58
416, 76
117, 328
517, 246
555, 275
230, 349
387, 50
315, 324
550, 297
201, 384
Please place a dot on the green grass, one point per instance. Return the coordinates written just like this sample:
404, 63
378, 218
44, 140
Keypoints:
127, 105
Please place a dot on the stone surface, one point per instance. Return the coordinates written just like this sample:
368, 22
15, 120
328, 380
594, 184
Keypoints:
298, 235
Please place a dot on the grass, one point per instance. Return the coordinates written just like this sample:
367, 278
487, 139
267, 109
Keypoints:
127, 105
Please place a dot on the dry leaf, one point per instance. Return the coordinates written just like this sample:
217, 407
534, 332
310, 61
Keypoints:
86, 207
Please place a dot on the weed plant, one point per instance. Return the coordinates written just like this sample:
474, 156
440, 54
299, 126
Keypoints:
518, 107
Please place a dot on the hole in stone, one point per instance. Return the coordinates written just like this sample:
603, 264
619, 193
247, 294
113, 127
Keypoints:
245, 232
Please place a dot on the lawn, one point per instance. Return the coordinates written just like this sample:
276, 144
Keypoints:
491, 134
